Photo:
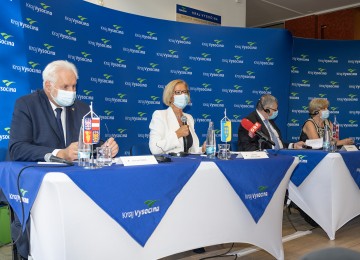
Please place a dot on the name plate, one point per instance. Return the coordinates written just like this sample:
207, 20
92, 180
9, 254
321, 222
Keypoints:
138, 160
349, 148
254, 155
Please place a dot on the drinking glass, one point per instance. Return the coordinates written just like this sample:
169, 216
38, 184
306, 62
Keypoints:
103, 156
224, 151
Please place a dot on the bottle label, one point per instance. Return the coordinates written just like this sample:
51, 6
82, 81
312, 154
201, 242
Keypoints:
210, 149
84, 154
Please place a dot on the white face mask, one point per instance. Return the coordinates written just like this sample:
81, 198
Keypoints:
64, 98
181, 101
324, 114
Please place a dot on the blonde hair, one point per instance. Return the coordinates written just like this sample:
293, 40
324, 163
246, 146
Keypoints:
169, 90
317, 104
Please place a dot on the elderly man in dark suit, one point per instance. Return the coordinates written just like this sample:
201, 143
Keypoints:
48, 121
265, 113
34, 128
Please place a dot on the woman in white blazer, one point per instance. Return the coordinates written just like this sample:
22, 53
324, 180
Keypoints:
172, 130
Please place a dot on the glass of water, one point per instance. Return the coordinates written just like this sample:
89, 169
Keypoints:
103, 156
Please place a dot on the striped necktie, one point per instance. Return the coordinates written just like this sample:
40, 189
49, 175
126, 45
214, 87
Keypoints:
272, 135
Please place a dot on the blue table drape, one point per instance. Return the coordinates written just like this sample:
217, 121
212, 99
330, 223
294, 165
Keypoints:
308, 159
352, 161
138, 197
255, 181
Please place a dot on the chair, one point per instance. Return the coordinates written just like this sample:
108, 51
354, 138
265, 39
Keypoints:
140, 149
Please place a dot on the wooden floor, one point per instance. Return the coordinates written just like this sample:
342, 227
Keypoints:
348, 237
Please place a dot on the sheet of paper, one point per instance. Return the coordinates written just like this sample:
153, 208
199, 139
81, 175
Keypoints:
315, 143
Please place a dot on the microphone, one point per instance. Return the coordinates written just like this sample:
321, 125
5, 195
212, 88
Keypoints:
255, 129
51, 158
184, 122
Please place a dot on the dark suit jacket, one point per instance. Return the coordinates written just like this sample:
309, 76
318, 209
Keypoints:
246, 143
34, 131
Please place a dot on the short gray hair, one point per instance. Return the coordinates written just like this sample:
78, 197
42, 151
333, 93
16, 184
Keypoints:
50, 71
266, 100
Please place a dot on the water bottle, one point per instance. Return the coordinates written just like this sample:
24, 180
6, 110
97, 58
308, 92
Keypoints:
210, 141
84, 151
336, 129
326, 138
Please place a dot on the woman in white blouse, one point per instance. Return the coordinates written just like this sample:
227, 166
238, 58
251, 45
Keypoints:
172, 130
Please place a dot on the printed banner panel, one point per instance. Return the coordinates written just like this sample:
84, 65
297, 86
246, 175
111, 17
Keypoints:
125, 61
325, 69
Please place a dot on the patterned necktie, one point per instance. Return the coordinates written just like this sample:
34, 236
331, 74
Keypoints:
59, 123
272, 134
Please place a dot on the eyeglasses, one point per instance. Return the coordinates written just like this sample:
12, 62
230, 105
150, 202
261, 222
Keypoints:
179, 92
273, 109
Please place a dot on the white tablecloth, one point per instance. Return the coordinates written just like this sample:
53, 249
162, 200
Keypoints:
67, 224
329, 195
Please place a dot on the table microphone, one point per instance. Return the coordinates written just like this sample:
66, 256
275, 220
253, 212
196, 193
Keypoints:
52, 158
255, 129
184, 122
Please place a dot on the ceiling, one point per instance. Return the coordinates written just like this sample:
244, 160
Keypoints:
266, 13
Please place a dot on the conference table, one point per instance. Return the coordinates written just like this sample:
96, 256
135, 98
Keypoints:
85, 214
326, 186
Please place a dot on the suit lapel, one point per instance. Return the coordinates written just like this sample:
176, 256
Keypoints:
50, 116
172, 121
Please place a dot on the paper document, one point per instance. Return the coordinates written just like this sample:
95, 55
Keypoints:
315, 143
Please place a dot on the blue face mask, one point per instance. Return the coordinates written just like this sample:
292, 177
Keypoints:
181, 101
325, 114
274, 115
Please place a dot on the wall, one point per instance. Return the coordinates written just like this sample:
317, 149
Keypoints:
296, 26
232, 13
339, 25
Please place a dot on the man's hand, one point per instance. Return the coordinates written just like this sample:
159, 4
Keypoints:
70, 153
113, 145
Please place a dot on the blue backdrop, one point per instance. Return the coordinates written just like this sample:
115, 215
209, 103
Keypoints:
325, 69
125, 61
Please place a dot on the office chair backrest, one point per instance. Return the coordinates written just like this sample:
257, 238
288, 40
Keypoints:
140, 149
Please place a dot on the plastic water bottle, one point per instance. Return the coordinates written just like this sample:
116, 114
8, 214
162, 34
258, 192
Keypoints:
210, 141
326, 138
84, 151
336, 129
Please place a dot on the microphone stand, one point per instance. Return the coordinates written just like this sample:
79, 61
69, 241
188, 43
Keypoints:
260, 141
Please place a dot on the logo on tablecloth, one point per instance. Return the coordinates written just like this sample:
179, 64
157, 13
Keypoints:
142, 212
17, 197
302, 158
262, 193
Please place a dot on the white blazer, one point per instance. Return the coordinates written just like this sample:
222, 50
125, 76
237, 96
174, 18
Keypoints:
163, 138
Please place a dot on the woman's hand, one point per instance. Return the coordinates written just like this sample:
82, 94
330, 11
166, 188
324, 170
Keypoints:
203, 148
183, 131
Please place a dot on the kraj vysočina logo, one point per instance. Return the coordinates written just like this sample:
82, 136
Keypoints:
17, 197
6, 136
151, 209
260, 194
